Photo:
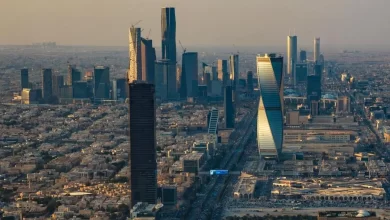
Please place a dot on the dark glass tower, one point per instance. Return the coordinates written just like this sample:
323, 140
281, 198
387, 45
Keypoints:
168, 34
47, 87
300, 74
313, 88
302, 56
228, 107
143, 166
101, 80
58, 83
148, 57
249, 82
24, 84
190, 74
74, 75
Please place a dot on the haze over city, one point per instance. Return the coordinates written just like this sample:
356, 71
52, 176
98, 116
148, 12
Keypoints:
347, 23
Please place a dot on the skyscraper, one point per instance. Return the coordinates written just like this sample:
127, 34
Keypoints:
316, 49
143, 166
313, 88
270, 116
47, 88
300, 74
135, 68
249, 82
148, 57
190, 73
168, 34
302, 56
101, 82
58, 83
24, 83
165, 80
74, 75
228, 107
234, 75
292, 53
223, 72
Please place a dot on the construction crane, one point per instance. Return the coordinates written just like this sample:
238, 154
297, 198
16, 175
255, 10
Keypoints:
136, 23
184, 49
147, 37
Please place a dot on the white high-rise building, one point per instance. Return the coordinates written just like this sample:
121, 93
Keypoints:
292, 54
317, 51
135, 68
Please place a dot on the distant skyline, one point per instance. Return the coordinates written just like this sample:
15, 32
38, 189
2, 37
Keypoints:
199, 23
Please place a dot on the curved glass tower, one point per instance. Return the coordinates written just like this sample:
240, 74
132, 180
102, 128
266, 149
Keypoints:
270, 116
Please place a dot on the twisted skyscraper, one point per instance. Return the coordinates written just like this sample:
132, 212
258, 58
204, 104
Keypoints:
270, 116
168, 34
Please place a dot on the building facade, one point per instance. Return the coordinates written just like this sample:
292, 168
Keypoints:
168, 34
47, 86
292, 53
228, 107
270, 110
190, 73
316, 49
143, 166
24, 83
101, 81
135, 68
165, 80
148, 57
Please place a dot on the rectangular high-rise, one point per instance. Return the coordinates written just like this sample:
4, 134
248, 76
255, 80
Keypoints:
74, 75
148, 57
24, 83
313, 88
249, 82
302, 56
143, 166
228, 107
101, 82
292, 54
135, 68
316, 49
300, 74
168, 34
223, 72
165, 80
190, 74
234, 76
58, 83
47, 87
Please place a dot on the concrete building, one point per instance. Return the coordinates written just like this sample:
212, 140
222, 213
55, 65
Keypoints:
193, 162
317, 51
292, 118
343, 104
270, 110
292, 54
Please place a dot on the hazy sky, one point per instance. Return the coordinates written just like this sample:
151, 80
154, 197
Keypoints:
199, 22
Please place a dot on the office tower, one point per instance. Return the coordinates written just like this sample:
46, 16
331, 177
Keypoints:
47, 87
121, 85
343, 104
300, 74
148, 57
74, 75
270, 111
318, 69
292, 54
58, 83
316, 49
314, 106
313, 88
143, 166
168, 34
24, 84
80, 90
212, 70
302, 56
249, 82
31, 96
228, 107
223, 72
135, 68
101, 82
190, 74
165, 80
114, 92
234, 76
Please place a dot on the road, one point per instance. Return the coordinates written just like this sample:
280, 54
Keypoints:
203, 206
